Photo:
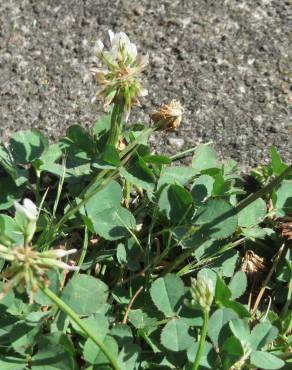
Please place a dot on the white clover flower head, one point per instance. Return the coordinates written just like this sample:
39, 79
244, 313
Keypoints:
202, 291
122, 51
28, 209
118, 74
29, 268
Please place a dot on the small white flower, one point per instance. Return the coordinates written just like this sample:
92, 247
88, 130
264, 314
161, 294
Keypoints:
118, 72
122, 49
143, 92
59, 253
99, 47
65, 266
28, 209
111, 35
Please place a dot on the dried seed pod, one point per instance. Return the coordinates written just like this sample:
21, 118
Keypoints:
252, 264
285, 227
168, 117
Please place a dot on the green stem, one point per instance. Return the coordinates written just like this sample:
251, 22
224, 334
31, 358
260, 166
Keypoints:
74, 317
84, 249
201, 348
186, 152
116, 122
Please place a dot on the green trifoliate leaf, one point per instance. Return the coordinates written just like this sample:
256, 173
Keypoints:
167, 293
262, 334
202, 189
28, 145
253, 214
283, 199
128, 356
93, 355
175, 336
175, 202
266, 361
204, 158
85, 294
107, 217
12, 363
278, 165
238, 284
240, 329
208, 358
138, 174
176, 175
217, 218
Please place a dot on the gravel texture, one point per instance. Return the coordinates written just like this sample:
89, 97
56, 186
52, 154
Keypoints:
226, 61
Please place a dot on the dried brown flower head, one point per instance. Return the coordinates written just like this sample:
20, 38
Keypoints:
285, 227
169, 116
252, 264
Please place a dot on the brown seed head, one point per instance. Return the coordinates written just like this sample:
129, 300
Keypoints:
169, 116
285, 227
252, 264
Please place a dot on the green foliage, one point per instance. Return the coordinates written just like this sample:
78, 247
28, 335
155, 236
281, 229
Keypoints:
175, 336
143, 225
166, 293
85, 294
217, 219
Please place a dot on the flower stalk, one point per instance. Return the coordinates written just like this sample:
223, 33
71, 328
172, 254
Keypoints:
116, 122
118, 79
202, 341
202, 292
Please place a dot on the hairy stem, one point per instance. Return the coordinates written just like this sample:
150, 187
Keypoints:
116, 122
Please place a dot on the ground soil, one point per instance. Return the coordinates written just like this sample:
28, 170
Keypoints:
226, 61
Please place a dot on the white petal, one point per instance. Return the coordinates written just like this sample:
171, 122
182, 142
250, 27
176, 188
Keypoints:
111, 35
121, 40
64, 266
31, 208
29, 204
132, 51
28, 209
143, 60
143, 92
59, 253
99, 46
19, 208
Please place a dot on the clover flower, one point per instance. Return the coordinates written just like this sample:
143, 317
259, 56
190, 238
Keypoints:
169, 116
28, 269
202, 292
121, 65
29, 210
